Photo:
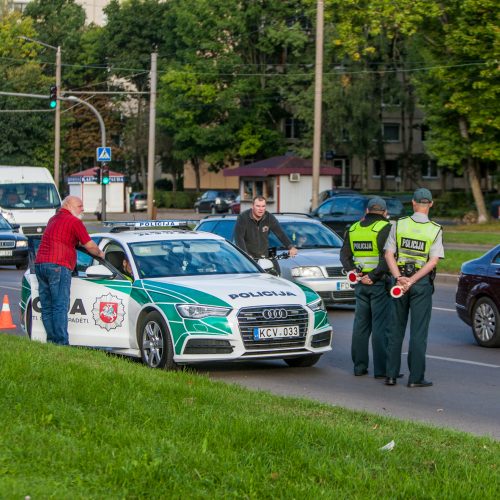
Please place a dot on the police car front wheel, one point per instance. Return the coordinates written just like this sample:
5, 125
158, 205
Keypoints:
155, 342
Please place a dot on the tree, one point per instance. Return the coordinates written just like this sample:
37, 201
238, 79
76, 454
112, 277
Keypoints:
460, 94
25, 133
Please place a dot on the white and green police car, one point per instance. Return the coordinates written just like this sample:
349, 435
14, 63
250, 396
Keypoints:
193, 297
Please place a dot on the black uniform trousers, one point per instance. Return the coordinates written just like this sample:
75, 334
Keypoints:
372, 316
417, 302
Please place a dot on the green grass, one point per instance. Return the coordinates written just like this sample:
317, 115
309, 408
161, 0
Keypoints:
487, 239
455, 258
82, 424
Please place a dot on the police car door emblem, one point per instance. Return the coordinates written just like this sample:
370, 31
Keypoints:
108, 312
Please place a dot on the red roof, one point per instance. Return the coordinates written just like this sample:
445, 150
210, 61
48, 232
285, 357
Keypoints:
90, 172
280, 165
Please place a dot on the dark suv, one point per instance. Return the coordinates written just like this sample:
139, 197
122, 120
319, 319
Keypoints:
343, 210
214, 201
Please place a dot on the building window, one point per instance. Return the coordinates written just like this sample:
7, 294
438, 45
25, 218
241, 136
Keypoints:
429, 169
258, 187
391, 132
391, 168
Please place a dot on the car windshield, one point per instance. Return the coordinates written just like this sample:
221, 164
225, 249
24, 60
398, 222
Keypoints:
190, 257
4, 225
25, 196
305, 234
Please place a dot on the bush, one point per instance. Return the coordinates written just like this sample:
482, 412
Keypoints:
178, 199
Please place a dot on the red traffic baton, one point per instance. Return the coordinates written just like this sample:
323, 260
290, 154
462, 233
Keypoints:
352, 277
397, 292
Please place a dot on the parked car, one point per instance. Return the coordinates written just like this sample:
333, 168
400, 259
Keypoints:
329, 193
138, 201
13, 246
317, 264
343, 210
478, 297
192, 297
214, 201
235, 207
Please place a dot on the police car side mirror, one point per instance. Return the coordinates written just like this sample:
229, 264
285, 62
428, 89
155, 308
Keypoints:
265, 264
99, 271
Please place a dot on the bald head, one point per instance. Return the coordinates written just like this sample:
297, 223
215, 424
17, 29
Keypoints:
73, 204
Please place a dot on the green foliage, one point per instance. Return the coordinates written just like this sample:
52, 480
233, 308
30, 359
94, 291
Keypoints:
78, 423
175, 199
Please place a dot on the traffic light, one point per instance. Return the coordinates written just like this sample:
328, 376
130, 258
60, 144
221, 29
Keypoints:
105, 175
97, 175
53, 96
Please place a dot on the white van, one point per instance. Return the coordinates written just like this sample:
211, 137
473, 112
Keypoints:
28, 197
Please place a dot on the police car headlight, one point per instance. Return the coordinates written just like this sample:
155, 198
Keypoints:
307, 272
21, 243
194, 311
317, 305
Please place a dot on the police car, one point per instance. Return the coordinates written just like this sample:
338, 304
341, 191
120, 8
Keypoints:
192, 297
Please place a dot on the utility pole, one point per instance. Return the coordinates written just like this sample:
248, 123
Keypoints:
152, 134
318, 98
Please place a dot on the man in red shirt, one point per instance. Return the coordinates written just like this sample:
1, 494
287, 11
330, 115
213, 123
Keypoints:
55, 261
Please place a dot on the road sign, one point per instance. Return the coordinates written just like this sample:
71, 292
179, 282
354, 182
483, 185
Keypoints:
103, 154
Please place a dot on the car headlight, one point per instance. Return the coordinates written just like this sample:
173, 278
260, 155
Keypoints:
307, 272
317, 305
195, 311
21, 243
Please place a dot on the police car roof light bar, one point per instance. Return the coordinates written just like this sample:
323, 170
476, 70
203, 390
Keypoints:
143, 224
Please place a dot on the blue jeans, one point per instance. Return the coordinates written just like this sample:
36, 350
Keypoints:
54, 286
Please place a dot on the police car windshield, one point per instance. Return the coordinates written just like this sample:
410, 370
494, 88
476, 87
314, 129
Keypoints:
306, 234
190, 257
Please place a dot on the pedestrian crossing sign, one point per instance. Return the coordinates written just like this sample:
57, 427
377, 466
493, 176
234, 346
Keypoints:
103, 154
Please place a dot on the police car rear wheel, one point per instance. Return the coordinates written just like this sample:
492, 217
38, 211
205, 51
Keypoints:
303, 361
155, 342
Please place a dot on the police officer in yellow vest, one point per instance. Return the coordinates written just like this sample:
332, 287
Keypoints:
412, 251
363, 249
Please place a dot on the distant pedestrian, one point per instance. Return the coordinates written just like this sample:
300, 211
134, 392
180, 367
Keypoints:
412, 251
363, 251
55, 262
251, 232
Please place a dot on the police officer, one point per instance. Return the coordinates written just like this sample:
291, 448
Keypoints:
412, 251
363, 250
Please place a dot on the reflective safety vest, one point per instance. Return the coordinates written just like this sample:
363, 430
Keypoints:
414, 240
364, 245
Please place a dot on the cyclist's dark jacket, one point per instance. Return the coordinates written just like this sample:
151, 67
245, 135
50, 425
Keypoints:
252, 236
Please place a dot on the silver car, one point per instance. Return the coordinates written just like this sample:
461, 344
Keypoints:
317, 264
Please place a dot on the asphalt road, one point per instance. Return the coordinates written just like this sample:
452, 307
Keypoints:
465, 395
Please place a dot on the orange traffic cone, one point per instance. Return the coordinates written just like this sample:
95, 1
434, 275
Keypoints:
5, 316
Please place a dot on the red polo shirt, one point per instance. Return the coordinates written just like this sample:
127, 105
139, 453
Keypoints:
62, 235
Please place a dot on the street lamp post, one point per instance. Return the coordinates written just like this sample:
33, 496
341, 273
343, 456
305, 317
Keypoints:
57, 125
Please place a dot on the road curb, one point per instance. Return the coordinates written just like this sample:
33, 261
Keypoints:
448, 279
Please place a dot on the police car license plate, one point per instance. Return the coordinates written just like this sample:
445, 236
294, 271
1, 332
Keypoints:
343, 285
274, 332
5, 253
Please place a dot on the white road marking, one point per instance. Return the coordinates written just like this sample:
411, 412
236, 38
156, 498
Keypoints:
464, 361
444, 309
